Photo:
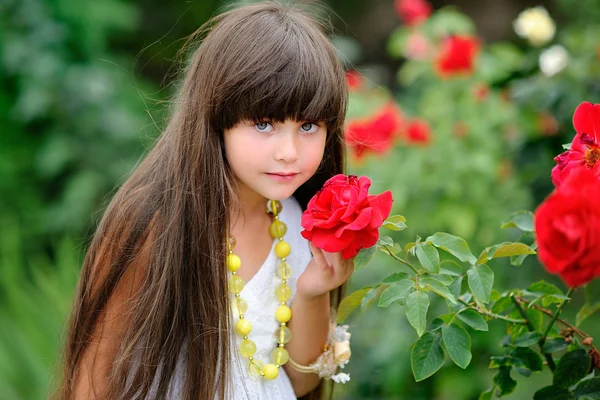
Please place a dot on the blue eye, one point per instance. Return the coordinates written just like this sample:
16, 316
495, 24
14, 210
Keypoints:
263, 126
309, 127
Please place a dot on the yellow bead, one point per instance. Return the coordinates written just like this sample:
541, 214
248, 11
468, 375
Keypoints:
283, 335
282, 249
231, 242
271, 371
277, 229
233, 262
239, 306
255, 367
236, 284
283, 313
280, 356
278, 207
284, 270
243, 327
247, 348
283, 292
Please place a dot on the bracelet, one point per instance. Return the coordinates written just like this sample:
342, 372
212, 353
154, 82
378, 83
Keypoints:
336, 354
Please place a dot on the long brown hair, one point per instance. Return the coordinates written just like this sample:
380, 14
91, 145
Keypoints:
263, 60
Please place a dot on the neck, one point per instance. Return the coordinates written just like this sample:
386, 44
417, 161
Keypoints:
250, 213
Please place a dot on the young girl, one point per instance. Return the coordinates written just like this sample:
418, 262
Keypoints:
186, 290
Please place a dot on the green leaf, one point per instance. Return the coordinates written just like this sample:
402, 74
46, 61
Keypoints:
385, 241
473, 319
525, 357
417, 304
522, 220
363, 257
588, 389
427, 356
395, 277
487, 395
567, 146
555, 345
507, 249
350, 303
372, 295
456, 287
437, 287
396, 291
481, 281
502, 379
553, 393
586, 311
451, 267
395, 223
428, 257
571, 368
458, 344
445, 279
528, 339
453, 245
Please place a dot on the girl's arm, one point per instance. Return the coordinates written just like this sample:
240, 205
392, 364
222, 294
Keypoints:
310, 313
309, 326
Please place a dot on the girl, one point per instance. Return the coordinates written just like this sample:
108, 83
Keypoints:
258, 119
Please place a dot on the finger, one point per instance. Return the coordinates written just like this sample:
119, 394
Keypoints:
319, 256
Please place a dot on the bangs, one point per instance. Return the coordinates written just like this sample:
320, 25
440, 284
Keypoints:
284, 73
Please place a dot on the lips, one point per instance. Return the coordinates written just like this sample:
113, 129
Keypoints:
282, 173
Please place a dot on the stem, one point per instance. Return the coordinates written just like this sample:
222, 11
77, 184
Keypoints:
492, 315
531, 328
395, 257
555, 317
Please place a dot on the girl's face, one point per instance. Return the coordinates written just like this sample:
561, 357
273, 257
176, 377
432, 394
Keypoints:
272, 159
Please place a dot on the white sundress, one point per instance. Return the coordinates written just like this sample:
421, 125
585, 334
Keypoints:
259, 293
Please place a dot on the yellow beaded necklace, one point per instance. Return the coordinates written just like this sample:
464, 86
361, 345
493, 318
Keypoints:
283, 293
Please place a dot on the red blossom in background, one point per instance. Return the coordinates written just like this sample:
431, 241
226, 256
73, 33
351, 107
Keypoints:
344, 217
585, 148
354, 79
375, 134
418, 47
567, 226
418, 132
481, 91
547, 124
457, 56
413, 12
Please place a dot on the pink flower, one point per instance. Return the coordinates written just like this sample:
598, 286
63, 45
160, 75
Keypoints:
344, 217
585, 148
413, 12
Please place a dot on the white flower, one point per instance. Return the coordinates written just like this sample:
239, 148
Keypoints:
553, 60
535, 25
340, 378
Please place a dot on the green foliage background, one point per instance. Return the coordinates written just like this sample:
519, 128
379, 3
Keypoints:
84, 90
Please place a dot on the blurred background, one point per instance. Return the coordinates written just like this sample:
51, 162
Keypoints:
458, 107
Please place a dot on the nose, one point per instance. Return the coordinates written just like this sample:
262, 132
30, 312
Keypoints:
287, 148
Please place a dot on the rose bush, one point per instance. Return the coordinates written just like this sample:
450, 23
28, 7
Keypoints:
344, 217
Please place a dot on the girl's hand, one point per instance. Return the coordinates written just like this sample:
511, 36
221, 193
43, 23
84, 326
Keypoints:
325, 272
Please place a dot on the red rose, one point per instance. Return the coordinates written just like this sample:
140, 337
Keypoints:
457, 56
344, 217
413, 12
418, 132
585, 148
567, 227
375, 133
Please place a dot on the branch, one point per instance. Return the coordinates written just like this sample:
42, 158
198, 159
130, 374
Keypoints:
492, 315
556, 314
395, 257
